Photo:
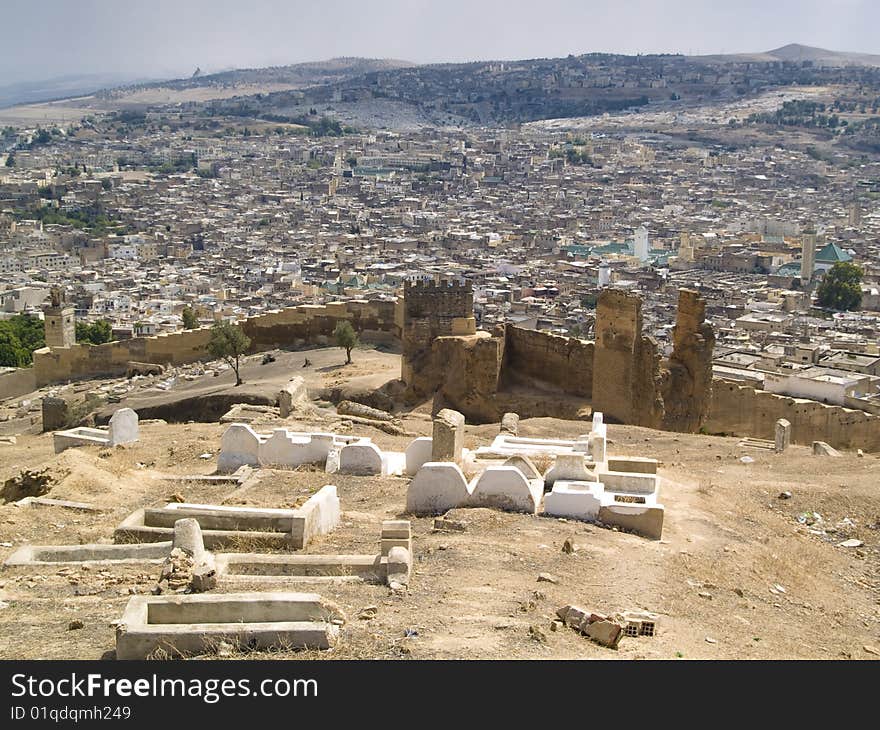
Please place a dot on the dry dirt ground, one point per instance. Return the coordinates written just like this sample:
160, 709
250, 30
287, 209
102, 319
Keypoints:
735, 575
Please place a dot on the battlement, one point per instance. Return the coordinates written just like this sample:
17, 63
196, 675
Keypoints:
429, 286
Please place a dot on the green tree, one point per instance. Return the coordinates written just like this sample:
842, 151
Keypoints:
96, 333
229, 342
840, 288
11, 351
190, 321
346, 338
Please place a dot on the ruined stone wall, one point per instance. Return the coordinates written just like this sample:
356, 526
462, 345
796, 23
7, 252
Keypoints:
565, 362
471, 375
687, 382
626, 365
290, 327
17, 382
431, 309
744, 411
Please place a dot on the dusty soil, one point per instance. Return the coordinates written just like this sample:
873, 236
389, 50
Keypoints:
735, 575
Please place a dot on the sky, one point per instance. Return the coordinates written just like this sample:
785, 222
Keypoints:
170, 38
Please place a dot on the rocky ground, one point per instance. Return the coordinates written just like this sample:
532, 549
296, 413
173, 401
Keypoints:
741, 572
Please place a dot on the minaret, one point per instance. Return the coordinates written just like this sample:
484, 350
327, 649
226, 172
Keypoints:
808, 252
640, 246
59, 321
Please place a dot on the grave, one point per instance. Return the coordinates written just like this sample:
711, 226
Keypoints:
183, 625
97, 553
448, 439
122, 429
782, 435
224, 525
393, 563
241, 445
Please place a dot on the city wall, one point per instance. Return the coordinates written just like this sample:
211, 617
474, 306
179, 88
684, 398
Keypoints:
290, 327
17, 382
743, 411
565, 362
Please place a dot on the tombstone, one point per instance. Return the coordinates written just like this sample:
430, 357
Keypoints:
291, 394
525, 465
123, 427
510, 423
783, 435
188, 537
506, 487
571, 467
240, 445
55, 414
437, 488
598, 451
448, 436
360, 459
418, 453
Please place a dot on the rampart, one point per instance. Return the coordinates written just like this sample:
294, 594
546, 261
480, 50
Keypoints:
743, 411
290, 327
565, 362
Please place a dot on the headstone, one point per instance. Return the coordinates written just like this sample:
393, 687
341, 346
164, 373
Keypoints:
437, 488
239, 445
820, 448
783, 435
363, 459
510, 423
188, 537
55, 414
571, 467
123, 427
448, 436
290, 394
418, 453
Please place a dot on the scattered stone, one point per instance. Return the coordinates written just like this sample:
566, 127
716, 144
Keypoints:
537, 634
704, 594
710, 640
369, 612
784, 495
853, 543
206, 455
568, 547
547, 578
747, 460
739, 592
442, 524
176, 497
820, 448
225, 649
75, 624
605, 632
860, 453
555, 625
4, 604
776, 588
871, 650
510, 423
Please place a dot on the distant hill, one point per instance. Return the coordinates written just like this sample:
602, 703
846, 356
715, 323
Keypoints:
795, 52
295, 75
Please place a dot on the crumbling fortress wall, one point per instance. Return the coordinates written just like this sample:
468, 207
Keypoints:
431, 309
626, 366
741, 410
290, 327
687, 386
565, 362
621, 373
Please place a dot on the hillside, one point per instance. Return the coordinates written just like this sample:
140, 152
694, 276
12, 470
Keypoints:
738, 574
796, 53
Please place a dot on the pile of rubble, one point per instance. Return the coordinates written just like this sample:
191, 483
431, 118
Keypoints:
608, 630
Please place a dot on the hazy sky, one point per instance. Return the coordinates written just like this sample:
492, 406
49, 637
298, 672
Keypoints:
48, 38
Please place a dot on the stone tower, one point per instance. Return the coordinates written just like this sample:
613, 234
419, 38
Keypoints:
59, 321
808, 253
430, 309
